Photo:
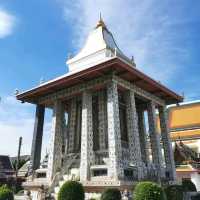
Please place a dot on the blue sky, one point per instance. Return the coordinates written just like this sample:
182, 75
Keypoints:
36, 37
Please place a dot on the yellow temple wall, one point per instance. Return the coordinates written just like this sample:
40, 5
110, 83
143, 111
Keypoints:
186, 116
183, 122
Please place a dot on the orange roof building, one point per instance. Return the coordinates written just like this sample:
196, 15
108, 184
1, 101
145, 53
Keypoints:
184, 125
184, 121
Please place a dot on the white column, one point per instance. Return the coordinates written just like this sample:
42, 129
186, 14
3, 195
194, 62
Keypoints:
154, 139
72, 125
115, 169
133, 134
87, 154
55, 154
167, 145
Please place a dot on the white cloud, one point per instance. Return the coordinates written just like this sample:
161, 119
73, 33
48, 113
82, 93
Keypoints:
7, 22
17, 120
150, 30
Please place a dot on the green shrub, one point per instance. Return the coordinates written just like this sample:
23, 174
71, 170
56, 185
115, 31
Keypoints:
6, 193
188, 186
148, 191
71, 190
111, 194
174, 192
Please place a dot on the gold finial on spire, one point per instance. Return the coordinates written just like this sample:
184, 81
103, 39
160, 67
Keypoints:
100, 22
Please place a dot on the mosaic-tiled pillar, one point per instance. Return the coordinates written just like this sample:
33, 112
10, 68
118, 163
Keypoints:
72, 125
133, 133
102, 121
143, 136
167, 146
37, 137
154, 139
55, 153
87, 154
115, 169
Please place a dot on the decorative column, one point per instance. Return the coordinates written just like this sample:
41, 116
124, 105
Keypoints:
102, 121
143, 136
87, 154
133, 134
115, 169
154, 139
37, 137
167, 146
55, 153
72, 125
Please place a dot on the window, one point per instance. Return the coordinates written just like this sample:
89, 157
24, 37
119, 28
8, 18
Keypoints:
100, 172
128, 172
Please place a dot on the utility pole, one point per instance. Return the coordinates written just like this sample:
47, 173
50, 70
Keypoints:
18, 155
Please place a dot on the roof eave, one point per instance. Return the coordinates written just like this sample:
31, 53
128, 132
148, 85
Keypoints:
174, 98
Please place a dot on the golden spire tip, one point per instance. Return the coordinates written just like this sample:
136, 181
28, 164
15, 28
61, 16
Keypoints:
100, 22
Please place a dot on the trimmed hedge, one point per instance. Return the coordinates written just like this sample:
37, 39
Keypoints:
71, 190
111, 194
174, 192
188, 186
149, 191
6, 193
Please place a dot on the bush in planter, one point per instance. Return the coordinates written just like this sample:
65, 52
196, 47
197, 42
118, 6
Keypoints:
148, 191
71, 190
6, 193
174, 192
111, 194
188, 186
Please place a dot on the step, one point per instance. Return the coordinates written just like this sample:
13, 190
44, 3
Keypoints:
54, 195
92, 195
67, 177
61, 183
56, 189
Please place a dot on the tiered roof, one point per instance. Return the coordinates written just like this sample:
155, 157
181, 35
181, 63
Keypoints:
99, 56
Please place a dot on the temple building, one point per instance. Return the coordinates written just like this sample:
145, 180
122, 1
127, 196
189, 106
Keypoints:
101, 108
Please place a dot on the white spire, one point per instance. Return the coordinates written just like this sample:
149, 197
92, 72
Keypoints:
99, 47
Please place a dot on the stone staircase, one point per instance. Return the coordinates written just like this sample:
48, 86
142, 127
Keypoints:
65, 178
68, 173
71, 171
